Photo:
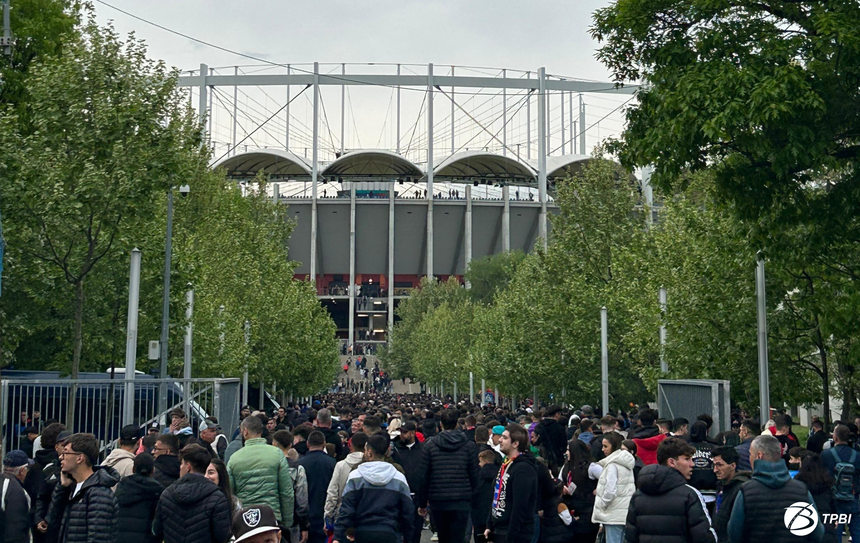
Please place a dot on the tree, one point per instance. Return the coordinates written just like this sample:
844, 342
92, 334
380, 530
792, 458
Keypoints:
106, 130
757, 91
490, 275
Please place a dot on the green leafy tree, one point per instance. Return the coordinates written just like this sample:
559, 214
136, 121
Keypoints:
490, 275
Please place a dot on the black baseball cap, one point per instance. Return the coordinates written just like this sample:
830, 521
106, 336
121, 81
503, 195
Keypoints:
253, 520
129, 432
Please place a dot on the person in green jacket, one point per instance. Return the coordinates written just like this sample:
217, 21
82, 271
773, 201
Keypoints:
260, 474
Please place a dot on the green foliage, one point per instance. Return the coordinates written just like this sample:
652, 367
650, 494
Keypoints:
759, 92
84, 177
490, 275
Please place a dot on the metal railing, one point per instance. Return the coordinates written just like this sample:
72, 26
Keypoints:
99, 404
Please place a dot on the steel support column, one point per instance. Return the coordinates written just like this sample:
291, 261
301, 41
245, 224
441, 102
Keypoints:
287, 116
430, 170
542, 231
315, 174
235, 113
761, 310
131, 337
391, 198
467, 242
506, 219
604, 360
352, 263
581, 125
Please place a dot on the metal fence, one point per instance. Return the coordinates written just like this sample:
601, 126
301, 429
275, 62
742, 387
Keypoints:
100, 404
690, 398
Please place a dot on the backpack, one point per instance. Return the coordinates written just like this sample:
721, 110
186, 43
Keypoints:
844, 473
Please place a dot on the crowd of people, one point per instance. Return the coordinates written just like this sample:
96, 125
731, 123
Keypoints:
382, 468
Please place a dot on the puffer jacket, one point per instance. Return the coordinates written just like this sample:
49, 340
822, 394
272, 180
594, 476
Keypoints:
91, 515
338, 482
614, 489
451, 466
260, 474
376, 498
666, 509
137, 496
193, 510
120, 460
166, 469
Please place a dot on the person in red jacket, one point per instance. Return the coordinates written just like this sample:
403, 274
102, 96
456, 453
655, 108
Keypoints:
647, 447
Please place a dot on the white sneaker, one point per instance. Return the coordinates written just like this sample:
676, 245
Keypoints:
434, 537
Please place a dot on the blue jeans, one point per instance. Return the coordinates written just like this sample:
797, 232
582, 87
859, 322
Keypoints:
614, 533
854, 526
536, 535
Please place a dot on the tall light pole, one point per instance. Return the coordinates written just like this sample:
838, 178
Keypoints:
165, 301
761, 307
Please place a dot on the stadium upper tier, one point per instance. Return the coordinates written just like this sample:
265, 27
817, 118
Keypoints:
382, 165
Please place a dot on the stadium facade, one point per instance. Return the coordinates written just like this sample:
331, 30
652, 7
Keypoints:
370, 223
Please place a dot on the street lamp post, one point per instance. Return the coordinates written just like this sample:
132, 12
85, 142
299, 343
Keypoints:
165, 302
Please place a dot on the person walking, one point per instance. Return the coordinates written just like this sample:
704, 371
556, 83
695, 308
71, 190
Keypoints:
450, 465
377, 506
138, 496
283, 440
666, 509
83, 500
725, 461
842, 461
408, 452
614, 488
260, 473
319, 468
193, 510
758, 513
15, 512
122, 458
341, 473
323, 424
515, 496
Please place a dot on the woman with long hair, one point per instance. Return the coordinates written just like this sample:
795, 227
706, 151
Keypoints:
614, 488
819, 482
579, 478
217, 473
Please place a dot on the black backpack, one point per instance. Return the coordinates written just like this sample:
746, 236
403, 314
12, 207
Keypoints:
844, 472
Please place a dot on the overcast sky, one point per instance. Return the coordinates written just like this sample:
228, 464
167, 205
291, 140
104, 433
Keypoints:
521, 35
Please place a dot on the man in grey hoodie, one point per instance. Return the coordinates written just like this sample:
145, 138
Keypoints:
334, 495
122, 458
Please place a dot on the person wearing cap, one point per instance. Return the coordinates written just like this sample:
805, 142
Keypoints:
376, 503
138, 496
215, 442
153, 428
193, 510
496, 437
84, 503
256, 524
15, 500
122, 458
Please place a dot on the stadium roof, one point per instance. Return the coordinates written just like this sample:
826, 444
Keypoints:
372, 163
474, 165
269, 161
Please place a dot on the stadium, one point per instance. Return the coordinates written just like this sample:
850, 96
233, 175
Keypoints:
431, 195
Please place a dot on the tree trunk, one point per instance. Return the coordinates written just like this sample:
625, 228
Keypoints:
76, 356
847, 400
825, 377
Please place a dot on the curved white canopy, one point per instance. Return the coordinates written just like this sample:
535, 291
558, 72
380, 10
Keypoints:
471, 165
372, 163
269, 161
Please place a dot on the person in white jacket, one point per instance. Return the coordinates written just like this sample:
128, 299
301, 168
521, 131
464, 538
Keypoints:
342, 469
614, 488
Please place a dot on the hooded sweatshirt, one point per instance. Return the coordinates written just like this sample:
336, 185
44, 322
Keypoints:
666, 509
137, 496
338, 482
763, 500
120, 460
515, 499
451, 465
376, 498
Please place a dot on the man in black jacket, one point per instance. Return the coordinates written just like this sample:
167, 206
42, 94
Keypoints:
647, 428
407, 452
725, 466
515, 496
15, 513
323, 424
552, 438
193, 509
83, 501
49, 460
167, 469
666, 509
319, 468
817, 439
451, 466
